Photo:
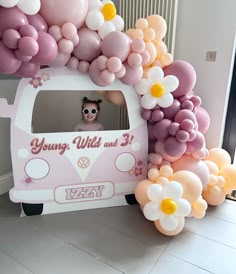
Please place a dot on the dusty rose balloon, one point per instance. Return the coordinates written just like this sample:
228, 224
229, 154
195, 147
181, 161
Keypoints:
11, 38
83, 66
174, 148
28, 46
160, 129
157, 115
171, 111
22, 57
116, 44
8, 64
95, 74
203, 120
28, 30
159, 148
11, 18
185, 114
186, 75
38, 22
132, 75
73, 63
198, 167
89, 46
28, 69
197, 144
59, 12
47, 49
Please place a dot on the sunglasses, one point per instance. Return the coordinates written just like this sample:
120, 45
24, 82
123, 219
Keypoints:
87, 111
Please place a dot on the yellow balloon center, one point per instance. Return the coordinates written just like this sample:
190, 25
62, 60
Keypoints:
108, 11
157, 90
168, 206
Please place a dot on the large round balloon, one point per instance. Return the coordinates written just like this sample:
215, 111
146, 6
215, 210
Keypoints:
59, 12
89, 46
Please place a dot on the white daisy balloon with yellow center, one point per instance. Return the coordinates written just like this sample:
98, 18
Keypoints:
156, 89
102, 17
166, 205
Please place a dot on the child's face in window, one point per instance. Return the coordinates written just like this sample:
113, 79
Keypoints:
89, 112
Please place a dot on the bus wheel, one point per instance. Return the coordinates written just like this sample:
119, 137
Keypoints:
130, 199
32, 209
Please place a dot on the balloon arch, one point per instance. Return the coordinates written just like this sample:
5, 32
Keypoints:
184, 177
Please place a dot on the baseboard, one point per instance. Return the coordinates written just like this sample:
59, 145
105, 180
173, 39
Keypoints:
6, 183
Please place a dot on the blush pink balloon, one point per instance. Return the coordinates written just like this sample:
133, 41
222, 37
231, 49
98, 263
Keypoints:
60, 60
59, 12
191, 164
9, 63
28, 69
89, 46
69, 31
11, 18
186, 75
38, 22
116, 44
132, 75
95, 74
11, 38
47, 49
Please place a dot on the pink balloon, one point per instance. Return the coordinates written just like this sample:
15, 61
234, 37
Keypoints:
73, 63
27, 69
8, 64
65, 46
170, 112
11, 18
174, 148
185, 114
197, 144
203, 120
159, 148
47, 49
160, 129
22, 57
89, 46
157, 115
191, 164
107, 77
56, 33
132, 75
28, 30
116, 44
83, 66
69, 31
38, 22
95, 74
114, 64
11, 38
28, 46
59, 12
60, 60
186, 75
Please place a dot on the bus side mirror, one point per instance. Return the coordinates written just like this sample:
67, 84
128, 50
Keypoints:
6, 111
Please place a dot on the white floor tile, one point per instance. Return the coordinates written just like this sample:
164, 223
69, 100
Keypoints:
226, 211
202, 252
10, 266
168, 264
214, 229
68, 259
131, 221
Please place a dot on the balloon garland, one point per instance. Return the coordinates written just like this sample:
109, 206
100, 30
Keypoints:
87, 35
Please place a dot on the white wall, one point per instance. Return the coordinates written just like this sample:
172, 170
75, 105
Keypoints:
208, 25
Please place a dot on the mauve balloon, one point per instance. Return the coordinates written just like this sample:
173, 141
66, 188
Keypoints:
94, 73
59, 12
38, 22
132, 75
8, 62
11, 18
27, 69
89, 46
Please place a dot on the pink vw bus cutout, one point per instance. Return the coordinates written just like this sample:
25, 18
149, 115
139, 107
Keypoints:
65, 171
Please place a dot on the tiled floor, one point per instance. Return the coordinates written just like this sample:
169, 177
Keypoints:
114, 240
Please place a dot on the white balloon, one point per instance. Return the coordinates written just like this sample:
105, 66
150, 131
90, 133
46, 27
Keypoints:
94, 4
106, 29
142, 86
94, 20
151, 211
155, 75
166, 100
8, 3
148, 101
183, 208
173, 190
29, 7
154, 192
169, 222
170, 82
118, 23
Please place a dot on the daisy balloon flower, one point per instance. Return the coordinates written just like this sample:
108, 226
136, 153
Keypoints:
156, 89
26, 6
102, 17
166, 205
